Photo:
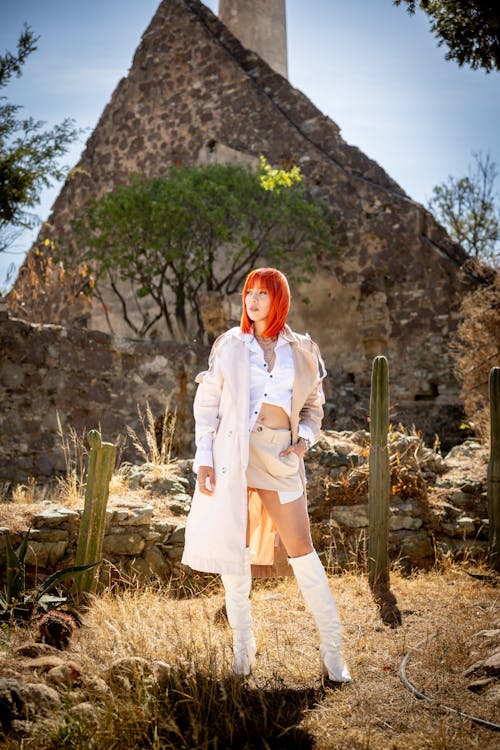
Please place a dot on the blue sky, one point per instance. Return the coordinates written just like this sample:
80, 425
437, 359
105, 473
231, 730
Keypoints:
377, 72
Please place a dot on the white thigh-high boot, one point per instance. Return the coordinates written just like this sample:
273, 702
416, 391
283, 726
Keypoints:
237, 590
313, 584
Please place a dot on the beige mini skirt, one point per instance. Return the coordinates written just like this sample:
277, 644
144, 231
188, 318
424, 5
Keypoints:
267, 470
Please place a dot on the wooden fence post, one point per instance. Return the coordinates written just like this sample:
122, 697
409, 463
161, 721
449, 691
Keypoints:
379, 489
493, 488
91, 536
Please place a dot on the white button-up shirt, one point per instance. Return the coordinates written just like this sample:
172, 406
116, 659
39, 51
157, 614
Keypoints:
273, 387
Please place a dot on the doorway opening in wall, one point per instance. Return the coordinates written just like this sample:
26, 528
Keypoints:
430, 394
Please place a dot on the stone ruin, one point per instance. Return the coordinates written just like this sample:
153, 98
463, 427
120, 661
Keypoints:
195, 95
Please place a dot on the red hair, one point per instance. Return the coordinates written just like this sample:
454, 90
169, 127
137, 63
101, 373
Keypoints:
275, 283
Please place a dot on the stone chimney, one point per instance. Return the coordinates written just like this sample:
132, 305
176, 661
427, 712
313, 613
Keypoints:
260, 25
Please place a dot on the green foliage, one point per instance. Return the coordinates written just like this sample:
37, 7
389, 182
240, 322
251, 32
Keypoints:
469, 28
468, 207
19, 603
276, 179
198, 230
15, 569
29, 154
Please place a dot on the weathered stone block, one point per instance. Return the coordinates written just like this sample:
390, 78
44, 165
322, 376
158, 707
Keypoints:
162, 527
460, 499
156, 562
352, 516
123, 544
45, 554
40, 699
12, 702
153, 537
53, 517
460, 527
334, 460
178, 536
404, 522
416, 546
133, 516
49, 535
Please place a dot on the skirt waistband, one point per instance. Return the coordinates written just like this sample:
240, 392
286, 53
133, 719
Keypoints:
272, 435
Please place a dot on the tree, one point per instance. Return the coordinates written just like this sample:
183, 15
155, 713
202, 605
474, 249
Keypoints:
29, 155
468, 207
476, 347
195, 232
469, 28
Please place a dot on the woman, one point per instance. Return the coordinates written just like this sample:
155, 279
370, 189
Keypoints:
258, 408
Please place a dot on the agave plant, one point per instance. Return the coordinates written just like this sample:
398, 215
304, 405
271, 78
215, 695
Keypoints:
18, 603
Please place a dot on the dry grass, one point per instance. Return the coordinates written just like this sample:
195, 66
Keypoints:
155, 445
69, 490
119, 481
71, 487
284, 703
24, 494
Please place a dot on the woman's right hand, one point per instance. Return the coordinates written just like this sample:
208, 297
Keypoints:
206, 473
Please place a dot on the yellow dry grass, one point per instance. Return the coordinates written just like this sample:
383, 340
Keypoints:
284, 703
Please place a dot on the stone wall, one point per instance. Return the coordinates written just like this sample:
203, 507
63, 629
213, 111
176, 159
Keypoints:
440, 510
195, 94
135, 542
86, 380
82, 380
438, 504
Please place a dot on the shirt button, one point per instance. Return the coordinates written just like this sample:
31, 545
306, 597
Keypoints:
265, 394
224, 469
256, 412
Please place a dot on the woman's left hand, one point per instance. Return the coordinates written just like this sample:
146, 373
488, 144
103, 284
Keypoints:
299, 448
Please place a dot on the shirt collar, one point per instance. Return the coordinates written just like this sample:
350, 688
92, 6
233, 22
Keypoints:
285, 337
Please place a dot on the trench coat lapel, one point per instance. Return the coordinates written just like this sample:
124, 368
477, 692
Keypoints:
306, 372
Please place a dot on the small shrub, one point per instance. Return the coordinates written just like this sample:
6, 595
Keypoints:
476, 348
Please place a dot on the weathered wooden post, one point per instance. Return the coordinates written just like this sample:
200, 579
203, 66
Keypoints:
379, 495
493, 488
91, 536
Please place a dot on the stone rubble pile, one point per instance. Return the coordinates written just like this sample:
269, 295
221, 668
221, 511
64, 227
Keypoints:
438, 505
39, 681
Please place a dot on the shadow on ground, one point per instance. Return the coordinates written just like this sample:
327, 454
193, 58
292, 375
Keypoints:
231, 714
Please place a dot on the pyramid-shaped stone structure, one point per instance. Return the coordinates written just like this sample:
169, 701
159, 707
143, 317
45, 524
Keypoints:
195, 94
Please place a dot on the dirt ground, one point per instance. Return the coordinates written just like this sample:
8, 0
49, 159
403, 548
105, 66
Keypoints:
446, 615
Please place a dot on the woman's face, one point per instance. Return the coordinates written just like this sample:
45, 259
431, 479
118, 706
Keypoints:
258, 304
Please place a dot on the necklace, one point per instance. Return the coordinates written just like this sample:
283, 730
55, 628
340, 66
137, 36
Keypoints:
267, 344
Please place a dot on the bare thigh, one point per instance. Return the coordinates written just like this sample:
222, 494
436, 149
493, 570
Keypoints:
292, 522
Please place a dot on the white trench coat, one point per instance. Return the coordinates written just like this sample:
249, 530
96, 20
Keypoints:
217, 523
